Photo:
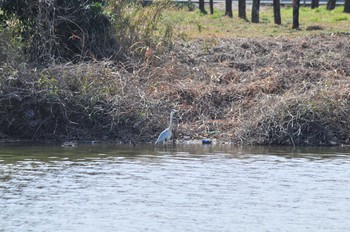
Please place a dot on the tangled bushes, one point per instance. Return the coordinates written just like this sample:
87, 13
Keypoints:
139, 28
266, 91
250, 91
307, 119
62, 31
81, 102
74, 31
40, 97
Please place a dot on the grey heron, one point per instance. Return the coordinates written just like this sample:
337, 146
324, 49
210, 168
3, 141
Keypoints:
166, 134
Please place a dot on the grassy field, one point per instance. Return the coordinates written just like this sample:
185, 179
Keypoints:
193, 24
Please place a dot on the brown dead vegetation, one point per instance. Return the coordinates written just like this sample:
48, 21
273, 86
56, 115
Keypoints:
249, 91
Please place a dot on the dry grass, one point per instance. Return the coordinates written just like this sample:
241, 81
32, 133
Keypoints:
225, 86
272, 91
250, 91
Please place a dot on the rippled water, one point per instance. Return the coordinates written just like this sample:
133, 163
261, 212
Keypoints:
187, 188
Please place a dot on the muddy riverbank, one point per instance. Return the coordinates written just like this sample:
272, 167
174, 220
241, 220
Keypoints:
248, 91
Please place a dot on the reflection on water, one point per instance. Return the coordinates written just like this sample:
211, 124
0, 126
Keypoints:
186, 188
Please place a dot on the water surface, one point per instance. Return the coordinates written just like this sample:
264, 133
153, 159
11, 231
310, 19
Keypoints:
186, 188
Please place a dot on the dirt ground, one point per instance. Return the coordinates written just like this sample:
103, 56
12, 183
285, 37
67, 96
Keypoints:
247, 91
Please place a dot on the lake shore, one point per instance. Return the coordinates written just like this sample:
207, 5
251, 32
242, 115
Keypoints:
283, 91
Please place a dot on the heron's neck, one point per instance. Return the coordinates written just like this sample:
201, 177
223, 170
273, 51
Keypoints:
171, 121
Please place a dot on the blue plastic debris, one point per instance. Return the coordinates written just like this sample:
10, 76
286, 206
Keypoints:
206, 141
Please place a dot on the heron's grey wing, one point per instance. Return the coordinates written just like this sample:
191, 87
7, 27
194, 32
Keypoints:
164, 135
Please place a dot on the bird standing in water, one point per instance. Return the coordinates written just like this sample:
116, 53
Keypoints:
166, 134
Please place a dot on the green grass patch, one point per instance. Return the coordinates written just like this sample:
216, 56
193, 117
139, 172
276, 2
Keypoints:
196, 25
